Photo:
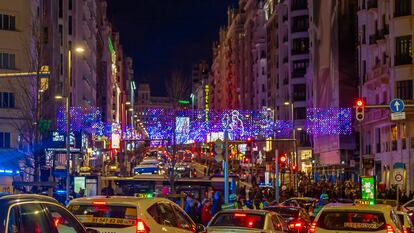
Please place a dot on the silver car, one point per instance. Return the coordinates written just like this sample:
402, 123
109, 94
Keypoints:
237, 220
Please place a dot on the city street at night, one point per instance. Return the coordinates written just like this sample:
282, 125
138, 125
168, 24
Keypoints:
218, 116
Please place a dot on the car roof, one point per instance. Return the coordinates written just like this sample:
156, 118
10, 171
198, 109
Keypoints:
283, 207
246, 211
26, 197
119, 200
356, 207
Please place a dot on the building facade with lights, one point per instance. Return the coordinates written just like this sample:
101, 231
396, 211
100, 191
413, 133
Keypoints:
333, 83
20, 33
386, 72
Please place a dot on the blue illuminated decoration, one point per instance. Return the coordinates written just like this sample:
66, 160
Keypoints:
329, 121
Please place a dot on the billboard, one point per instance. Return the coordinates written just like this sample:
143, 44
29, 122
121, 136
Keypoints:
367, 187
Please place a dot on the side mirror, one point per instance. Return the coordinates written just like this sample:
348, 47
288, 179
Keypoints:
200, 228
89, 230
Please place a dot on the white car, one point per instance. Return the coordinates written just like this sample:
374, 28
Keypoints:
337, 218
409, 205
254, 221
132, 215
150, 166
405, 221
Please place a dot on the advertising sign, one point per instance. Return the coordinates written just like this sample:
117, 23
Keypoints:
367, 187
79, 183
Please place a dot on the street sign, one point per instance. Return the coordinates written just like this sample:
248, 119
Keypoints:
397, 105
397, 116
398, 176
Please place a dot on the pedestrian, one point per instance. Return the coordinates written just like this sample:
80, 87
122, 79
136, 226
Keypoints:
217, 202
206, 212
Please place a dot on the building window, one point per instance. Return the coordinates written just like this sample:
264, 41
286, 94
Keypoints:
405, 89
7, 61
70, 25
402, 8
70, 4
61, 34
7, 100
299, 68
7, 22
403, 50
300, 113
4, 140
60, 8
299, 5
300, 46
299, 92
300, 24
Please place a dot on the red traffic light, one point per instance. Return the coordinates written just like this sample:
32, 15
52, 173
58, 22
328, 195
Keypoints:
246, 160
249, 139
359, 102
283, 158
294, 168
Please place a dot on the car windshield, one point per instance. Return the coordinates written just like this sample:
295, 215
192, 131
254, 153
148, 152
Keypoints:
351, 221
245, 220
105, 216
286, 213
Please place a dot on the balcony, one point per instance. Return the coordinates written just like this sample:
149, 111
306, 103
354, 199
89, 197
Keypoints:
404, 59
372, 4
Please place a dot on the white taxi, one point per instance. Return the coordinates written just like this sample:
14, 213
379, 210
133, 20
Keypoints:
118, 214
337, 218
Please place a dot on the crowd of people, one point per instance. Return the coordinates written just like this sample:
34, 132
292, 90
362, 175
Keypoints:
255, 197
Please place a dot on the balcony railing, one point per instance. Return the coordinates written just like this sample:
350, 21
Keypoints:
403, 59
298, 73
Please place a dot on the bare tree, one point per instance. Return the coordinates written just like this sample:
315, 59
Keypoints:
29, 90
177, 87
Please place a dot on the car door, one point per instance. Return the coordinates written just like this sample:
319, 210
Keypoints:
62, 221
28, 218
184, 222
164, 216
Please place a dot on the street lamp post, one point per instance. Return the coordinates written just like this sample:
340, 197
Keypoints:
67, 106
295, 153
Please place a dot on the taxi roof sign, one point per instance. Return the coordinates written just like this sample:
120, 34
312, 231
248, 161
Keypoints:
145, 195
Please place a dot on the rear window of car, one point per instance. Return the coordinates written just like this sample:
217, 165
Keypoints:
351, 221
286, 213
106, 216
244, 220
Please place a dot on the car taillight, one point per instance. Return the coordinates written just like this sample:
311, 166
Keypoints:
389, 228
312, 228
296, 225
407, 230
142, 227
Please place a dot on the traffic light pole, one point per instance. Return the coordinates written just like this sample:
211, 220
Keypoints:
277, 175
226, 169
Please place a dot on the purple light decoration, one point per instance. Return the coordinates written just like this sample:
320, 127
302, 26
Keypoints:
161, 123
328, 121
81, 119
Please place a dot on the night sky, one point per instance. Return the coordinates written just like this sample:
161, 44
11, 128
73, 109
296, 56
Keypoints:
166, 35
